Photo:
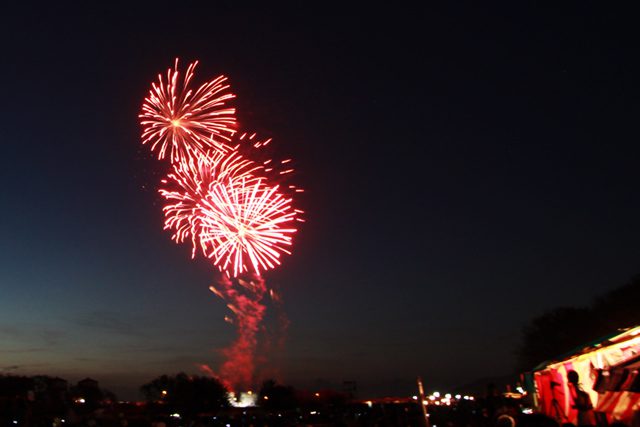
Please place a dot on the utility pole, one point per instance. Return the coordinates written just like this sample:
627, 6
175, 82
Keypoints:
422, 403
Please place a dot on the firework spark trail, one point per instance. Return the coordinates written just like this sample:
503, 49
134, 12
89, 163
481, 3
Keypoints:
239, 367
184, 123
225, 202
243, 229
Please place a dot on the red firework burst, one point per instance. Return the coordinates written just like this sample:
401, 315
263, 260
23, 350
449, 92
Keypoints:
190, 182
245, 226
222, 195
184, 123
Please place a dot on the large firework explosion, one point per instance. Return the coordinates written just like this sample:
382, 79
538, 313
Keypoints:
220, 199
244, 226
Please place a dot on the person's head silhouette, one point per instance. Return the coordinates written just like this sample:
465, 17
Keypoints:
573, 377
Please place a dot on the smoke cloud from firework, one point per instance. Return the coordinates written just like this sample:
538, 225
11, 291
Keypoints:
229, 205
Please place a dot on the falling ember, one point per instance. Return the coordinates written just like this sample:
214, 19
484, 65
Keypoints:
224, 200
181, 123
254, 147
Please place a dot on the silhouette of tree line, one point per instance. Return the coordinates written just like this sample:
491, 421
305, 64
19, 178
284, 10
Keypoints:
39, 399
185, 394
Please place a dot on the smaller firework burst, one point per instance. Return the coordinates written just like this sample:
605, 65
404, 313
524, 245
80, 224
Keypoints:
181, 123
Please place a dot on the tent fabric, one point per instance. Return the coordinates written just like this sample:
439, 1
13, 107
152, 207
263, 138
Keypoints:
622, 377
619, 406
631, 364
555, 394
605, 340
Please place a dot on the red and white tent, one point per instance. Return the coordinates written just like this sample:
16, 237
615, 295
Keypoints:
608, 372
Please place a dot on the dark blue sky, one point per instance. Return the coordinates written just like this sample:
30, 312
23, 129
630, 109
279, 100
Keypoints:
466, 168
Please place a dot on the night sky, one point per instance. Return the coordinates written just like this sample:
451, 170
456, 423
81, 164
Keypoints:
466, 168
